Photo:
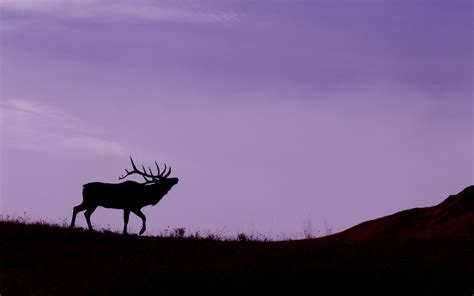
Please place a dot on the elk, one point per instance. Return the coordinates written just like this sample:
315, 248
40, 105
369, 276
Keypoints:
129, 196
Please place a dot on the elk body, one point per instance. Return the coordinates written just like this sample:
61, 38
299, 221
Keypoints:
129, 196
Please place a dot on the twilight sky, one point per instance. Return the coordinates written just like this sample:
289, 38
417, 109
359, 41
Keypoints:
272, 114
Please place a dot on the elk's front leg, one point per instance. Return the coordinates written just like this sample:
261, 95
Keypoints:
126, 215
142, 216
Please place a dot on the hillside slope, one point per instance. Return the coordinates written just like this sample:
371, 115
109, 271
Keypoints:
452, 217
427, 251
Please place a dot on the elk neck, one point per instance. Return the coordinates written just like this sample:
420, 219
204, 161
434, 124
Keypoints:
155, 192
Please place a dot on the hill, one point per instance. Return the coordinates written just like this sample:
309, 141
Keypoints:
423, 251
452, 217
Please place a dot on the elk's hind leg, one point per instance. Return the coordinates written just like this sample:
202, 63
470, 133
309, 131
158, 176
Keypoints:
76, 210
88, 214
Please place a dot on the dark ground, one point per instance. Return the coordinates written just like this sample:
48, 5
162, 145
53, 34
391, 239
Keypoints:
425, 251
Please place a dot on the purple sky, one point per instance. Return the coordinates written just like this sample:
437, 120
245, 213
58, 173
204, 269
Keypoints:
270, 113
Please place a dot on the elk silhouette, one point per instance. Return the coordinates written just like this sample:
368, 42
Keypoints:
130, 196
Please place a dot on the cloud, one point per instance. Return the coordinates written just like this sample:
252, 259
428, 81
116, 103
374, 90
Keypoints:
33, 109
32, 126
123, 10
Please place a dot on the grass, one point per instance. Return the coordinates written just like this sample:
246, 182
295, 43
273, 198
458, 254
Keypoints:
43, 258
308, 231
168, 232
421, 251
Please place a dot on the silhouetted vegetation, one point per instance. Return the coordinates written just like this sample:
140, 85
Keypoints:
426, 251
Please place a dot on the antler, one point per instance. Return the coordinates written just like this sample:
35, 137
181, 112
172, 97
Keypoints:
136, 171
144, 173
167, 174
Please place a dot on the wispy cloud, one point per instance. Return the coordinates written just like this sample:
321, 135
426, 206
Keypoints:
31, 126
31, 108
124, 10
